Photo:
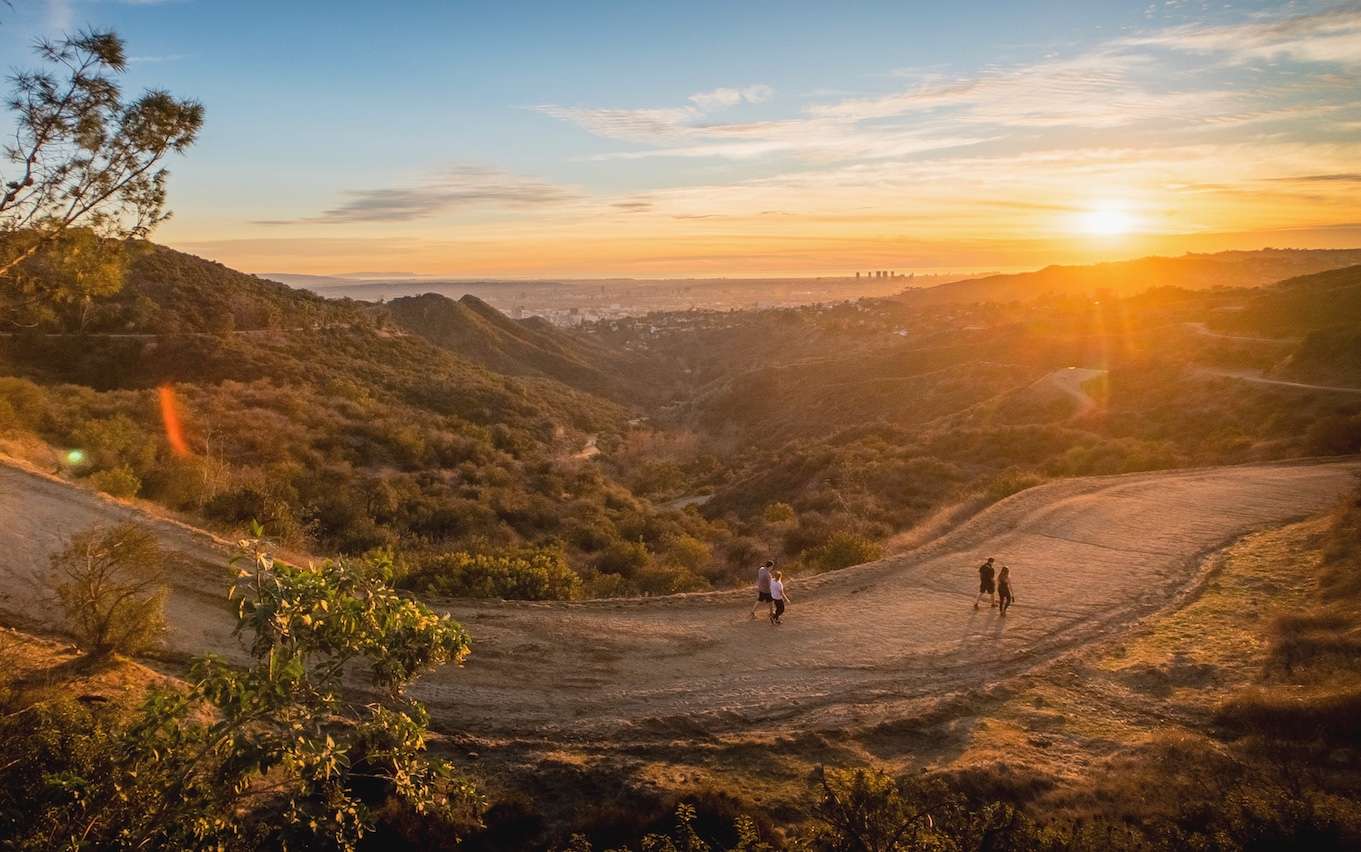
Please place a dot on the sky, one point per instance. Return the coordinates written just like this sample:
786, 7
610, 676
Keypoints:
584, 139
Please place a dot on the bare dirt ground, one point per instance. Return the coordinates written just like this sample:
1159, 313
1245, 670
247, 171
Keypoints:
1071, 381
860, 647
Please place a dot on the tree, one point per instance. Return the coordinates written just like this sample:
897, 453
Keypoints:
286, 751
109, 583
82, 175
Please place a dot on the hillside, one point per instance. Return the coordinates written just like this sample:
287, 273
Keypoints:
478, 332
1318, 316
1126, 278
169, 292
338, 433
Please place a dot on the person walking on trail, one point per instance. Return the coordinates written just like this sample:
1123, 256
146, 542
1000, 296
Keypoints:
1004, 596
778, 597
763, 589
985, 584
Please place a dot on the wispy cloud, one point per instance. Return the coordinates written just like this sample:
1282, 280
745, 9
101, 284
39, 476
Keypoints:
658, 124
1340, 177
1097, 89
721, 98
1332, 36
457, 188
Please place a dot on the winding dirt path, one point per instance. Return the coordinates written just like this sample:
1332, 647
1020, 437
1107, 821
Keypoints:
867, 644
1257, 378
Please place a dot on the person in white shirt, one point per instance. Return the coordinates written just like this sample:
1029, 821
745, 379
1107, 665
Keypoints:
778, 597
763, 589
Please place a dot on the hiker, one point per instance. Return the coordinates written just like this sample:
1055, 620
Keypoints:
985, 585
778, 597
763, 589
1004, 596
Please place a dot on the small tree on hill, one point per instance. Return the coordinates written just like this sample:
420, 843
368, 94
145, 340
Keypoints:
109, 583
82, 174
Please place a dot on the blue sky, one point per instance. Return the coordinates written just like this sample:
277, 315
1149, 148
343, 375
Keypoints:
524, 139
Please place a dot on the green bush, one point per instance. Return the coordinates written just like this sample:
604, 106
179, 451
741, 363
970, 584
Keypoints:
778, 513
688, 552
625, 558
841, 551
1011, 482
117, 481
536, 575
113, 441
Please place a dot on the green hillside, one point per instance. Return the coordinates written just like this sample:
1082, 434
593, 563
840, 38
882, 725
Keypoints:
341, 434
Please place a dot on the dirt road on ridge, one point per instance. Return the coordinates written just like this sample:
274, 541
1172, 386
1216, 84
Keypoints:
861, 645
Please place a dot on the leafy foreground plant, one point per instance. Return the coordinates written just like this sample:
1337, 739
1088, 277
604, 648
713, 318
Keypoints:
273, 754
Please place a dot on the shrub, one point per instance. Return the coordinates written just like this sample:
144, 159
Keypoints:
841, 551
117, 440
744, 552
1335, 435
117, 481
625, 558
778, 513
669, 581
688, 552
1011, 482
535, 575
109, 584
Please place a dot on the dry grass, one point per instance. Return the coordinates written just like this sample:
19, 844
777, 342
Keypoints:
36, 670
1165, 679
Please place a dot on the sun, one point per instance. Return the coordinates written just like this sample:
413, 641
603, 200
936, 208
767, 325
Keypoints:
1108, 219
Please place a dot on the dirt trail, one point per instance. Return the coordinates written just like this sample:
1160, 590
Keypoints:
867, 644
1070, 381
1204, 331
1257, 378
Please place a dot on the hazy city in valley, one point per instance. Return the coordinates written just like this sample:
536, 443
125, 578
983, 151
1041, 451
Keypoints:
680, 427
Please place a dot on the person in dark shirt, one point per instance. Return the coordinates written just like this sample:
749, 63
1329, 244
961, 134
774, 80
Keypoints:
985, 584
1004, 595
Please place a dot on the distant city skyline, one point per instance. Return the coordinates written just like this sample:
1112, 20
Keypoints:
542, 140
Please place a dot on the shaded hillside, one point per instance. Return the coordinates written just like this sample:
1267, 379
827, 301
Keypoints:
475, 330
168, 292
1299, 305
1322, 311
1126, 278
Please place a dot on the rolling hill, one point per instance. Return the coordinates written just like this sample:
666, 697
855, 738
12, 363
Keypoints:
474, 330
1126, 278
319, 419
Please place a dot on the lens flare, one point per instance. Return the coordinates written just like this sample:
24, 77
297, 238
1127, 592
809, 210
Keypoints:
170, 415
75, 458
